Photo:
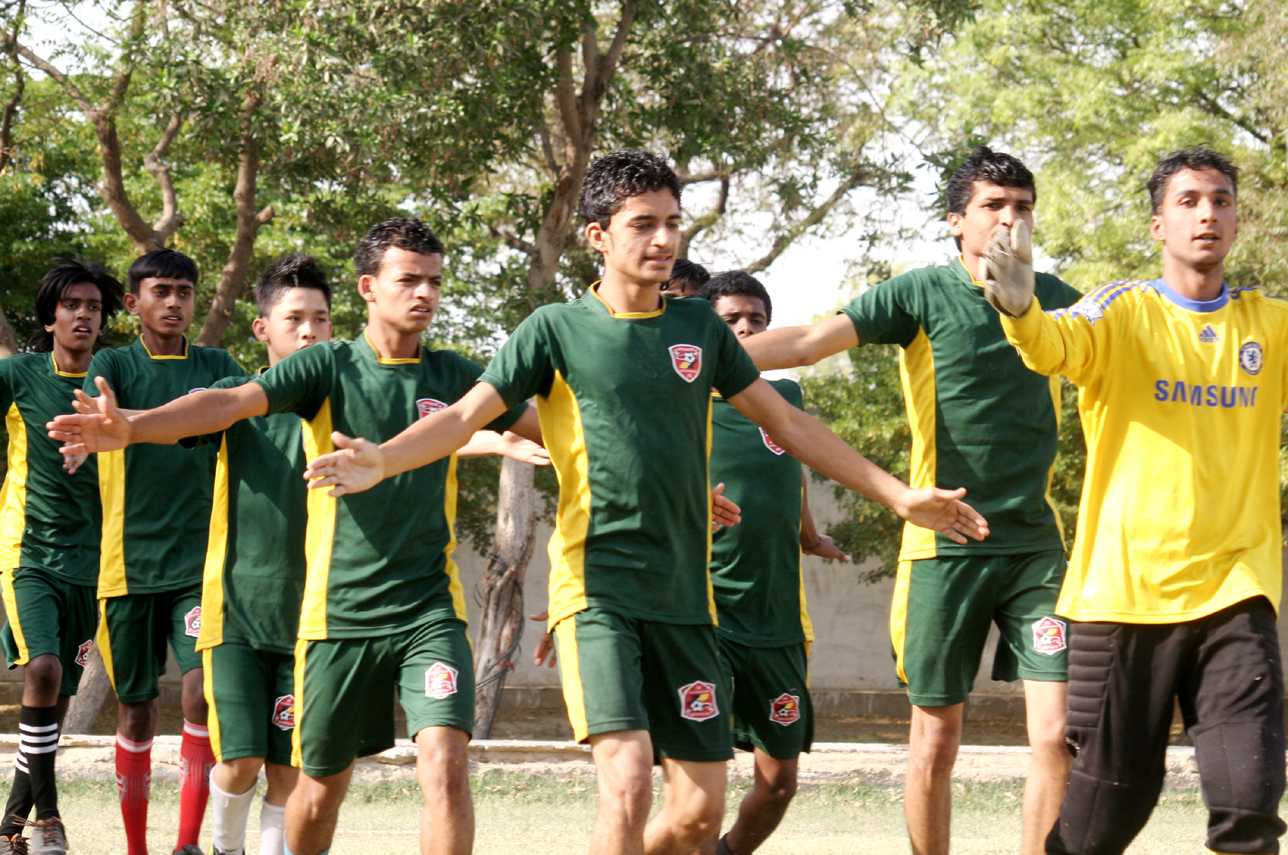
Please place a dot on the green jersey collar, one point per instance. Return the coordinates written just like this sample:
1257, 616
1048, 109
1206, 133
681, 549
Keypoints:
635, 316
152, 355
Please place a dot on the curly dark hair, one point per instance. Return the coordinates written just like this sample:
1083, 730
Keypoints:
736, 283
54, 284
293, 270
1195, 157
621, 175
403, 232
984, 164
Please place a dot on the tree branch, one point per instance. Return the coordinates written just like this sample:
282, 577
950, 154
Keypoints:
7, 119
788, 237
687, 178
78, 97
548, 151
512, 241
156, 166
707, 220
565, 97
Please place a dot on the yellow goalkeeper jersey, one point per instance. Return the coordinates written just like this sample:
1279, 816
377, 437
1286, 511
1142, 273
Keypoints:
1180, 403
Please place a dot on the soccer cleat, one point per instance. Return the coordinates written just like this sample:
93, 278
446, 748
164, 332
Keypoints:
48, 837
189, 849
15, 845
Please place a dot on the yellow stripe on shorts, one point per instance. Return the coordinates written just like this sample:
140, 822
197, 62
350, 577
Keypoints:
899, 616
208, 687
11, 612
297, 755
105, 643
570, 676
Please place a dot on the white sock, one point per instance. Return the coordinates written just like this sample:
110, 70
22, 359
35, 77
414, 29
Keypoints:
272, 829
229, 814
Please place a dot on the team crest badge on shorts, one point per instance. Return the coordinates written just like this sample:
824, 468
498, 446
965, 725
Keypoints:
82, 653
425, 406
1049, 636
785, 709
284, 712
698, 701
686, 359
440, 681
1250, 358
769, 443
192, 622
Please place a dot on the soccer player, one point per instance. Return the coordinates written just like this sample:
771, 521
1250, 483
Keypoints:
1176, 574
623, 380
49, 530
981, 419
764, 629
686, 279
383, 607
156, 510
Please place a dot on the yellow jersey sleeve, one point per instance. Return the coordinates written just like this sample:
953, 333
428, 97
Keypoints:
1180, 404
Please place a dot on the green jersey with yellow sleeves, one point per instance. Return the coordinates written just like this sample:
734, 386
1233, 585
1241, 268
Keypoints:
156, 498
378, 562
625, 407
48, 519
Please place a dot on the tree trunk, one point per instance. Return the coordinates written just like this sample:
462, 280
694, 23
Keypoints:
8, 344
501, 624
94, 688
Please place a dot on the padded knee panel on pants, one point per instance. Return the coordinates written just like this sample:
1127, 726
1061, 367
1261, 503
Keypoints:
1119, 812
1241, 771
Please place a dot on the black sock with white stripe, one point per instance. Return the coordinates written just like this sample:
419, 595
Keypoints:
19, 806
38, 730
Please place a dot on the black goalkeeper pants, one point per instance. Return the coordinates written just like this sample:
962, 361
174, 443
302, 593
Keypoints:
1226, 673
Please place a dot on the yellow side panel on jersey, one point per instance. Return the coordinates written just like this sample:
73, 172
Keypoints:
212, 580
899, 616
917, 373
806, 624
453, 572
561, 424
1056, 393
13, 513
319, 536
569, 663
711, 589
111, 490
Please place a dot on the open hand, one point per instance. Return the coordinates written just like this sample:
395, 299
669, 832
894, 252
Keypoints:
523, 450
546, 646
826, 548
723, 511
943, 511
97, 425
356, 465
1006, 269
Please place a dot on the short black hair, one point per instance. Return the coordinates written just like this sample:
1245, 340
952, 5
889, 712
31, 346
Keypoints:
293, 270
687, 271
54, 284
1195, 157
162, 264
402, 232
984, 164
736, 283
621, 175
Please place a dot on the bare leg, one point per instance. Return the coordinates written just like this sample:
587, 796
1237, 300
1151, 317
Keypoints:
312, 811
624, 770
281, 781
764, 806
138, 722
933, 740
443, 769
693, 796
236, 776
1045, 704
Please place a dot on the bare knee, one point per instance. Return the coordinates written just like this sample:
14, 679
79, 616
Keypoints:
443, 763
42, 678
237, 776
195, 709
697, 815
138, 722
313, 802
934, 739
776, 780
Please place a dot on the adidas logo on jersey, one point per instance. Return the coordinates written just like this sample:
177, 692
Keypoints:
1208, 334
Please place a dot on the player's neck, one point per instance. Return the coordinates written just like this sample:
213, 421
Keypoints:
71, 361
163, 345
626, 296
1198, 285
390, 343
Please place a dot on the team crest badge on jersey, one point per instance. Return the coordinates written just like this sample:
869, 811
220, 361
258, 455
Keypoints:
82, 653
440, 681
425, 406
785, 709
192, 622
698, 701
769, 443
1250, 358
284, 712
686, 359
1049, 636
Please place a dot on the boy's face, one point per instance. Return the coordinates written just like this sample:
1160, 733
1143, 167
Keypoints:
299, 319
642, 238
1198, 220
990, 206
681, 288
745, 315
405, 291
78, 317
163, 305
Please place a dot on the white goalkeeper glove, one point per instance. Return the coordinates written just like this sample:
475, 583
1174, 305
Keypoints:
1006, 269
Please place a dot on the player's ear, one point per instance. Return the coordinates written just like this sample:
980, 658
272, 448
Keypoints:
365, 281
955, 224
131, 302
596, 237
259, 327
1156, 228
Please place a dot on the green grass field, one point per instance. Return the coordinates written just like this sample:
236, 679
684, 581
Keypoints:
548, 816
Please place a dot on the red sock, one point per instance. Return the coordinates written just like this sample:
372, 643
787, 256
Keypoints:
134, 783
195, 762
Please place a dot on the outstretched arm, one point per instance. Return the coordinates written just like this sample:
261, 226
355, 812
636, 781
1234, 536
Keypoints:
809, 441
508, 444
790, 347
103, 426
361, 464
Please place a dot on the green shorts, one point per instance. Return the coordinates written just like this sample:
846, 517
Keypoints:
133, 636
251, 694
344, 692
48, 615
660, 677
771, 705
941, 615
